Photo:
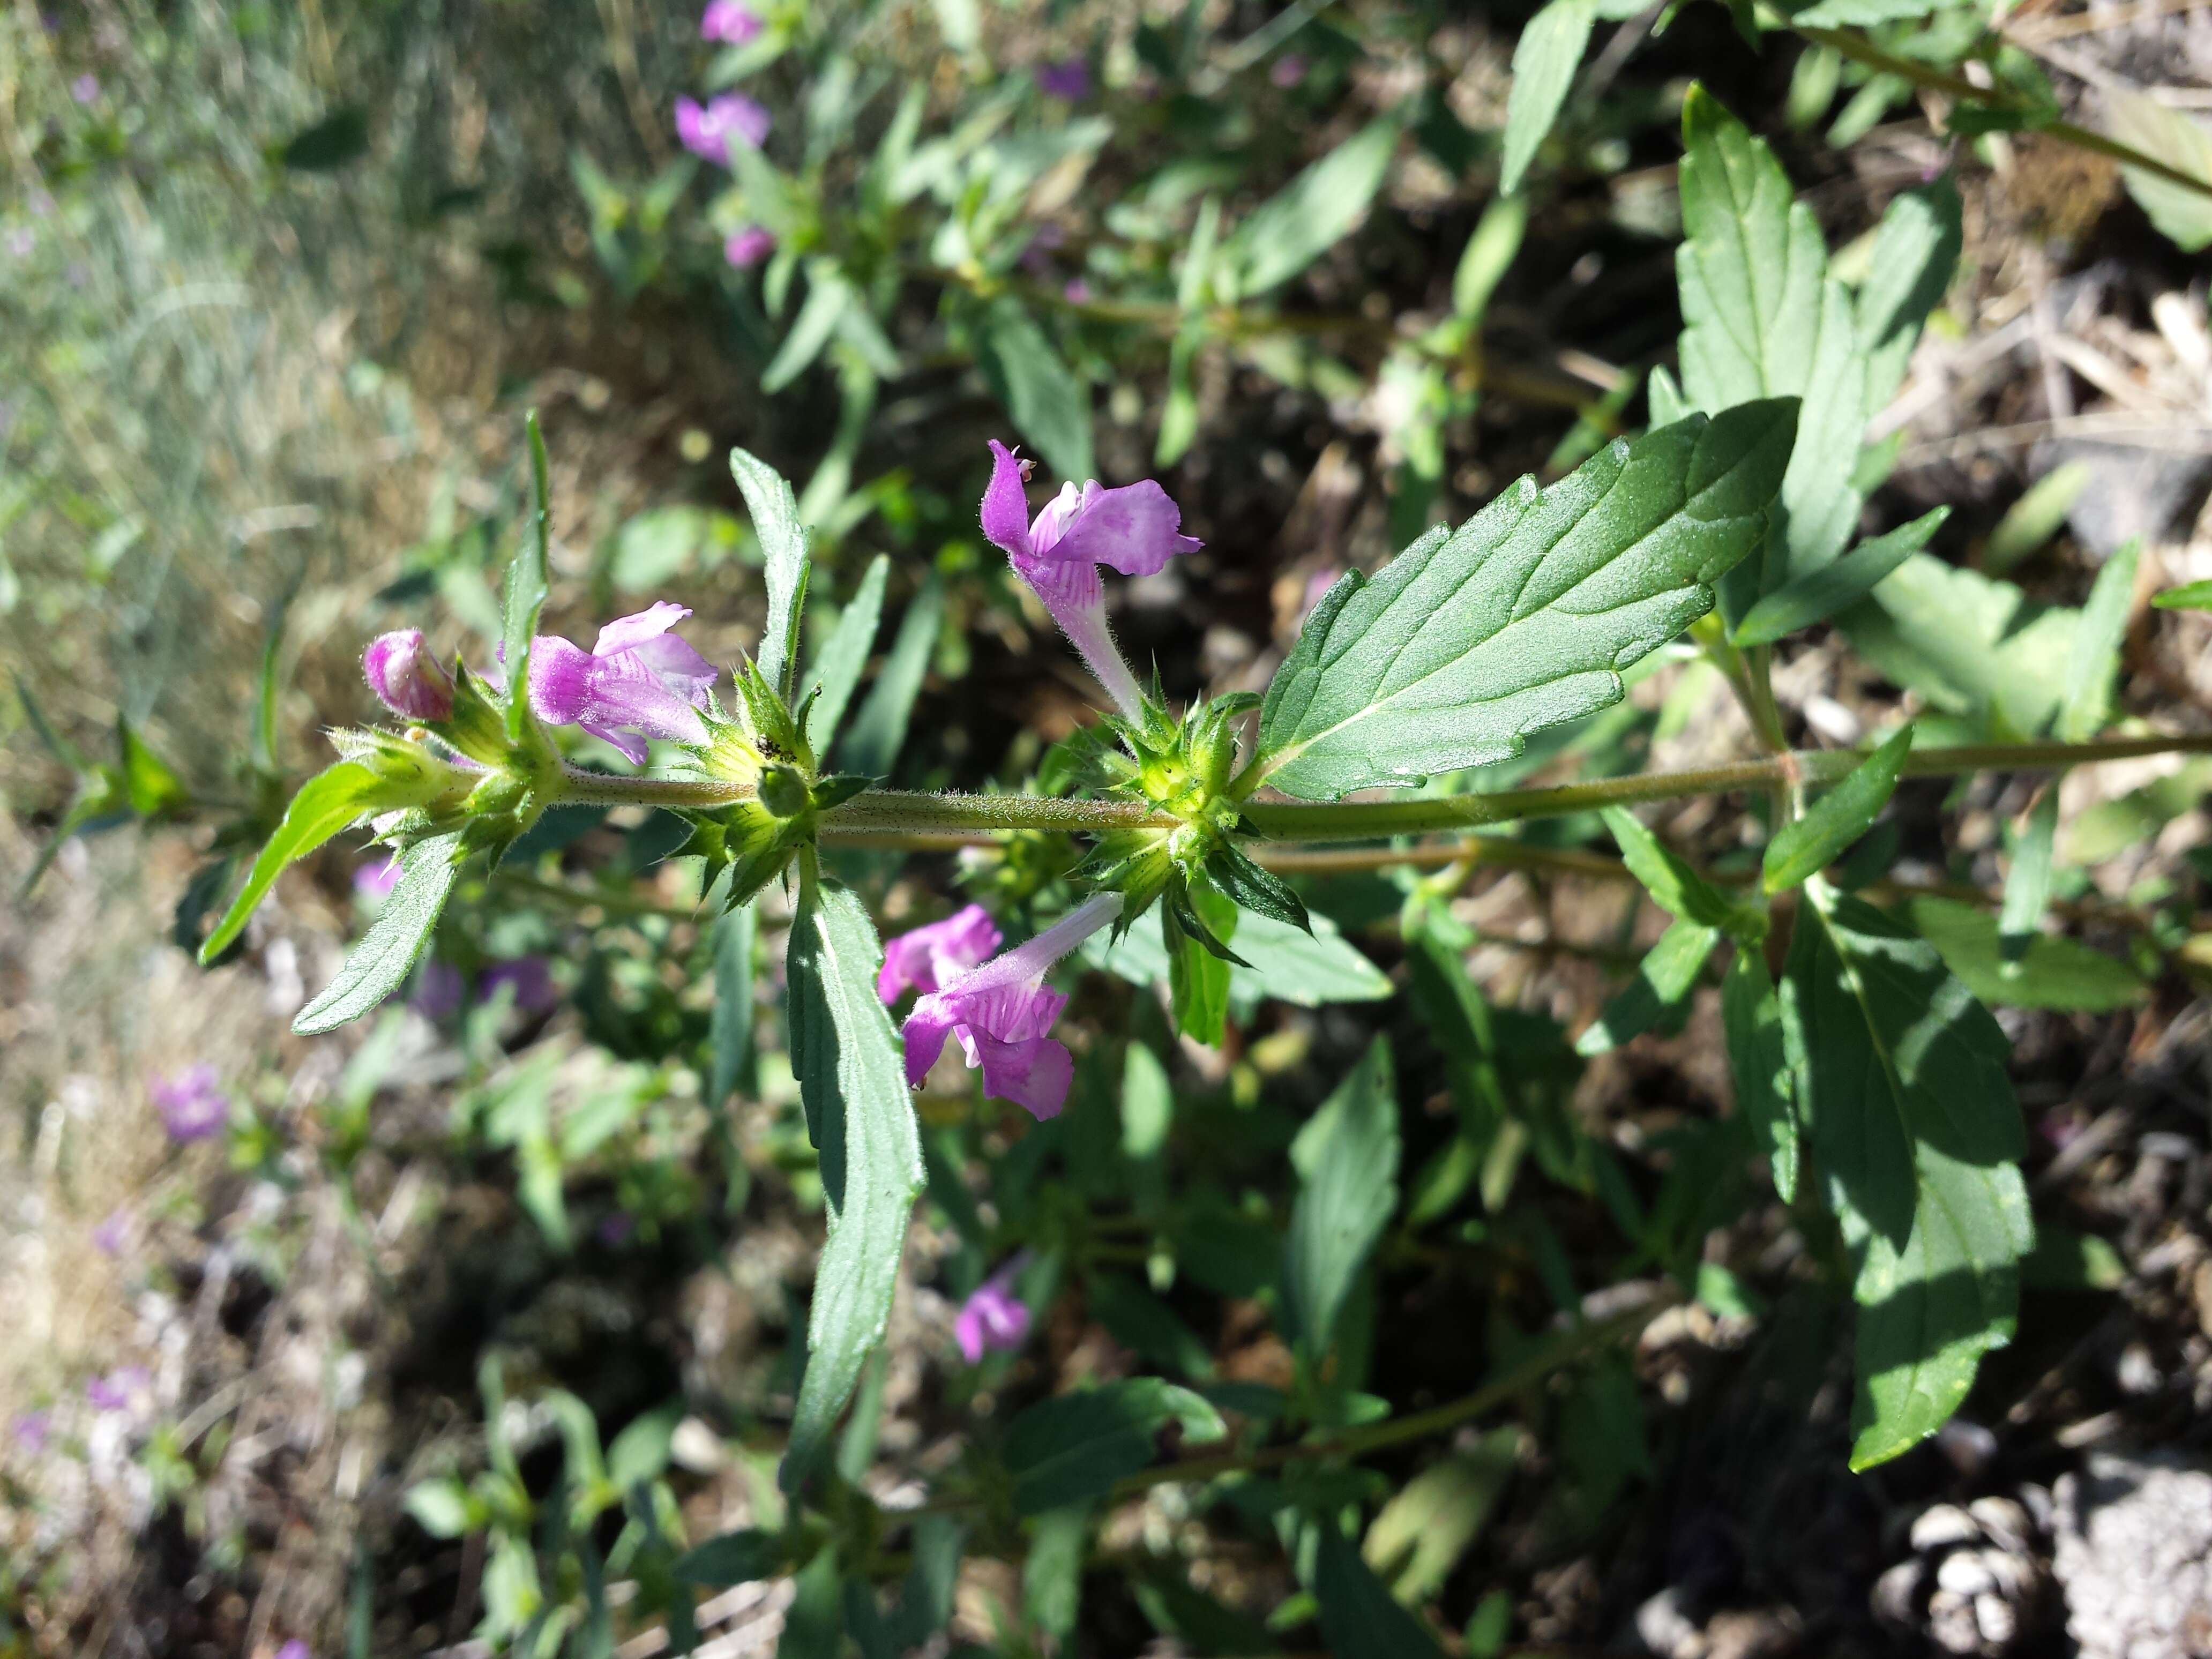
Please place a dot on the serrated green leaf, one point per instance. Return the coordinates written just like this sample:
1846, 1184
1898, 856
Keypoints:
1750, 1022
380, 964
2042, 970
1418, 1537
2095, 658
2183, 143
782, 537
844, 657
1466, 643
1675, 887
326, 803
527, 585
878, 733
1899, 1077
1048, 404
1347, 1160
1545, 60
1075, 1447
1655, 998
845, 1056
1359, 1618
1308, 216
1803, 848
1970, 646
1834, 588
730, 1032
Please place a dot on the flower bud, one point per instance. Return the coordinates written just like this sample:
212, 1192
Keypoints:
784, 790
406, 677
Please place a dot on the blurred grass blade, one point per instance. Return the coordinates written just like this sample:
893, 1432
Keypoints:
2095, 658
845, 1056
873, 743
2190, 596
827, 294
1801, 849
2030, 522
527, 584
1346, 1156
2183, 143
1751, 1021
1545, 60
380, 964
1359, 1618
1047, 403
731, 1032
61, 748
1490, 253
1835, 588
2028, 883
1311, 214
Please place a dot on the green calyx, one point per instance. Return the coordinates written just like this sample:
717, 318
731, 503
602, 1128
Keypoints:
1186, 769
764, 750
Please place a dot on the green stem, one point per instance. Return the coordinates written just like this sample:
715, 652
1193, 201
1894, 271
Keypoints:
896, 818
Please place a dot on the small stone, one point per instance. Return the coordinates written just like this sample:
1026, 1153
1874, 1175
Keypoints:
1963, 1572
1999, 1620
1951, 1623
1665, 1630
2004, 1521
1896, 1596
1942, 1525
2137, 1373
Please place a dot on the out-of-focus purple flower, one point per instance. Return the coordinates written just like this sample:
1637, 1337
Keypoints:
31, 1431
994, 1319
616, 1230
85, 88
193, 1106
530, 978
930, 959
295, 1648
746, 248
406, 677
22, 241
1000, 1014
120, 1390
439, 990
1069, 79
1288, 71
110, 1238
1076, 293
1317, 586
1136, 529
42, 203
731, 21
707, 129
376, 881
638, 680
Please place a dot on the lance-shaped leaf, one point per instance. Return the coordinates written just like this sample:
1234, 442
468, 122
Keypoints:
2039, 970
1751, 1023
326, 803
1346, 1158
845, 657
2027, 883
1302, 220
1899, 1079
1073, 1448
853, 1085
731, 1029
783, 554
1545, 59
1835, 588
1808, 845
1466, 643
1674, 886
1048, 405
387, 953
527, 585
1359, 1619
1655, 998
2097, 637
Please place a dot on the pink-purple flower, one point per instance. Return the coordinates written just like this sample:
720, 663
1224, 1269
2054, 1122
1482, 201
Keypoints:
113, 1235
295, 1648
708, 130
23, 242
85, 88
1001, 1014
529, 978
376, 881
191, 1105
1288, 71
994, 1319
31, 1429
125, 1390
638, 680
1136, 529
930, 959
1069, 79
746, 248
440, 990
406, 677
731, 21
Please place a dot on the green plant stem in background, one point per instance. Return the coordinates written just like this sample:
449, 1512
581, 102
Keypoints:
893, 817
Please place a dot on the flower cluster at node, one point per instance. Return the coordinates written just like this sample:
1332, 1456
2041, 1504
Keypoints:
192, 1103
638, 680
708, 130
994, 1319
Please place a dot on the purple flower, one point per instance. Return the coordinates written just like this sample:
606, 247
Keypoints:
376, 881
406, 677
85, 88
746, 248
1135, 529
119, 1390
439, 990
993, 1318
1076, 293
730, 21
615, 1230
930, 959
1070, 79
113, 1234
707, 129
530, 978
638, 679
295, 1648
1288, 71
22, 241
192, 1106
1000, 1013
31, 1430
